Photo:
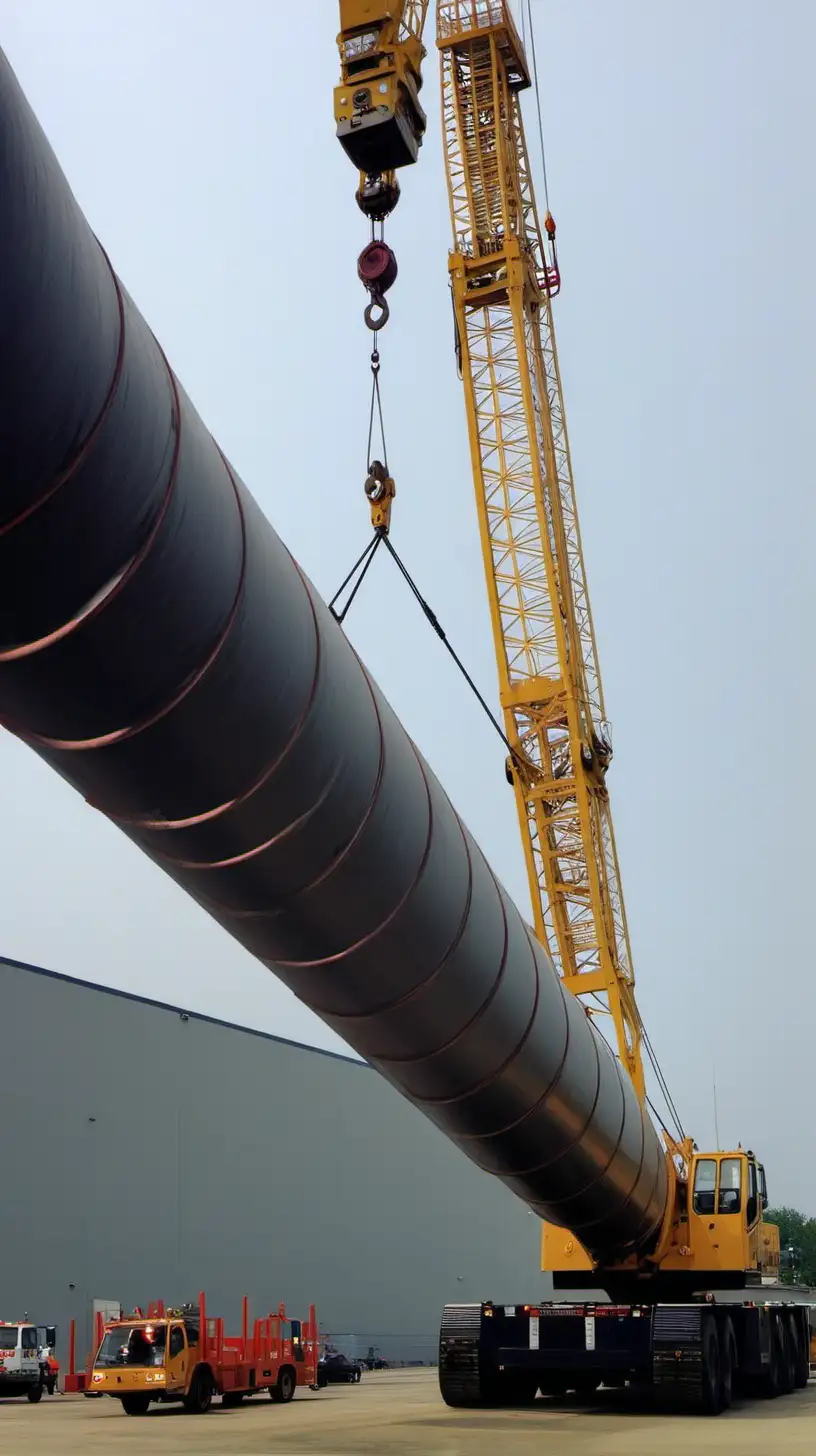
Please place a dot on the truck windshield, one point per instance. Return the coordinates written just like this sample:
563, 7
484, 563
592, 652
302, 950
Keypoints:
8, 1338
137, 1345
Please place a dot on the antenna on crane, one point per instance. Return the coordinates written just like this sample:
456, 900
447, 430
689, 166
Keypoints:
716, 1118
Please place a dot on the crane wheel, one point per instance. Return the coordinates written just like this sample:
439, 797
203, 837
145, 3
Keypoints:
34, 1393
728, 1364
771, 1384
801, 1357
788, 1362
711, 1383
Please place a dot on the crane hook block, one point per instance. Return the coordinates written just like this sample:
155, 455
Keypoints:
377, 267
377, 270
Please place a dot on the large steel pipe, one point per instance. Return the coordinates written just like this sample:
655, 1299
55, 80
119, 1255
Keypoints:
161, 649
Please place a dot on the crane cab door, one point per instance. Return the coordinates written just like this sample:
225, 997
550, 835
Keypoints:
178, 1358
725, 1206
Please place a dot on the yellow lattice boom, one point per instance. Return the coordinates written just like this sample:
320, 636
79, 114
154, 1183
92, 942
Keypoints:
503, 280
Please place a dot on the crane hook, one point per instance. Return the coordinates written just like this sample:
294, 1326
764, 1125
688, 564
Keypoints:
377, 270
376, 322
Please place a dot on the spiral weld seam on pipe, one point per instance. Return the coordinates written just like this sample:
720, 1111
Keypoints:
161, 649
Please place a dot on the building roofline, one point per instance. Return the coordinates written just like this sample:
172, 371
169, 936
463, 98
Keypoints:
301, 1046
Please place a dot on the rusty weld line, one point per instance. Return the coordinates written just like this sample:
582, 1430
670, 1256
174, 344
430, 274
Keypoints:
627, 1196
479, 1012
120, 735
490, 1077
408, 996
244, 915
98, 605
98, 422
661, 1167
556, 1077
570, 1147
627, 1199
387, 1006
598, 1174
249, 854
638, 1240
195, 819
372, 934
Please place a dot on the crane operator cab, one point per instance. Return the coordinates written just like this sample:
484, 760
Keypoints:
727, 1197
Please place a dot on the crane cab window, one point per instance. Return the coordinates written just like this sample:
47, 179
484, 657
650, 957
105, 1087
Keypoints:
730, 1197
705, 1185
176, 1341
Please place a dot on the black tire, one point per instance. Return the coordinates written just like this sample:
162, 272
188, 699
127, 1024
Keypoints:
802, 1356
728, 1364
771, 1382
34, 1393
135, 1404
232, 1398
284, 1391
787, 1383
198, 1399
711, 1392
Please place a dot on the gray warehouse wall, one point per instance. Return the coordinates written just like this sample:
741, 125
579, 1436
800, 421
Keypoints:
146, 1156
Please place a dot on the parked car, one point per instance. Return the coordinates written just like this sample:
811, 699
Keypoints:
339, 1369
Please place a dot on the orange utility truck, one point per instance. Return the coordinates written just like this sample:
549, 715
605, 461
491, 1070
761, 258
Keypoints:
183, 1355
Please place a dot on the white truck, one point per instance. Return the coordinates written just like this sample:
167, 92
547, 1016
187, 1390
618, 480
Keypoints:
22, 1371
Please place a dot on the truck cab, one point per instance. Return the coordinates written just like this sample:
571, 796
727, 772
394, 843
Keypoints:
140, 1360
20, 1365
181, 1354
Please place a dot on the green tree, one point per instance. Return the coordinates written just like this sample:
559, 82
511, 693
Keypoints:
797, 1233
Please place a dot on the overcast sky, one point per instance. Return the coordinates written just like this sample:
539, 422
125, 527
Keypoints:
199, 140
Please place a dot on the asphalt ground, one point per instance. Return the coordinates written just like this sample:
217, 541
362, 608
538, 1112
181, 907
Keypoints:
401, 1412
